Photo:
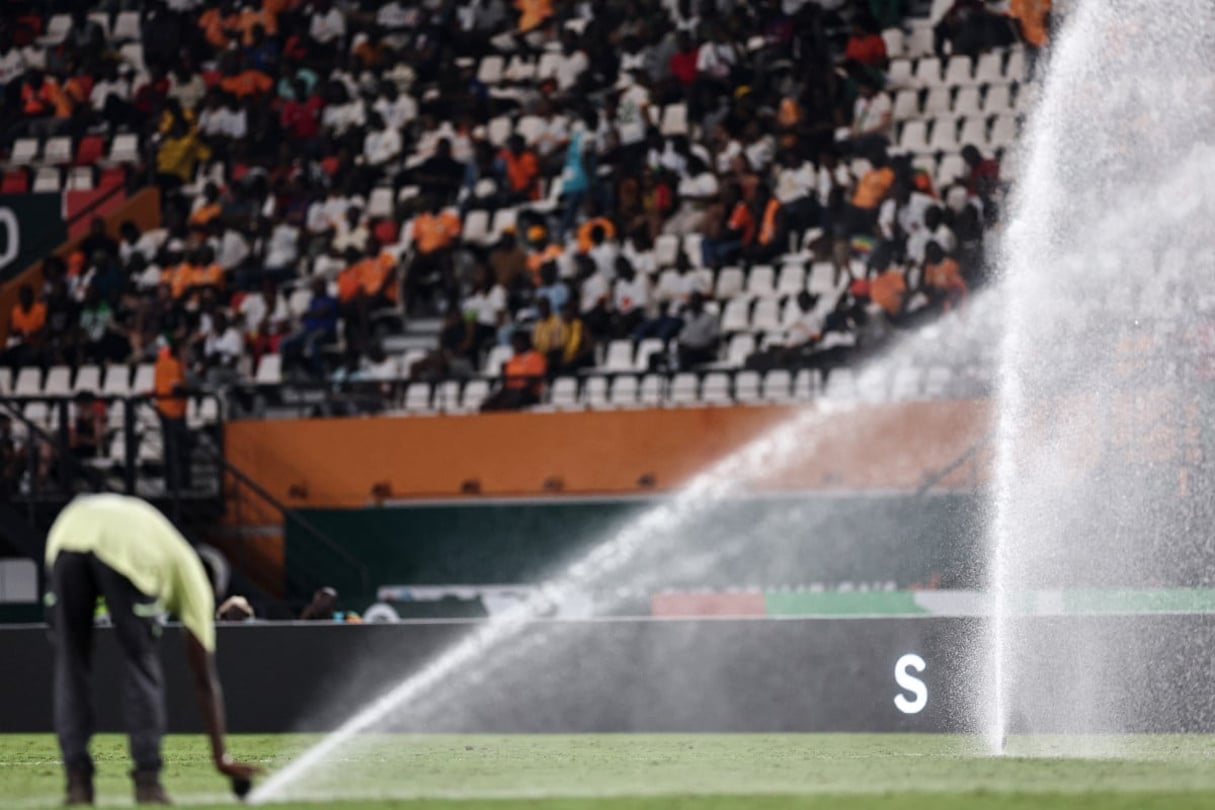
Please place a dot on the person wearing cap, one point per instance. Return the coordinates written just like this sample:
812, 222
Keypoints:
542, 251
122, 549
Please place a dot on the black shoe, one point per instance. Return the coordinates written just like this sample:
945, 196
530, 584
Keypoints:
148, 789
79, 789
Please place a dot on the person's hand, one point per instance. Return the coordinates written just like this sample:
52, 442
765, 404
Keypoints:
236, 770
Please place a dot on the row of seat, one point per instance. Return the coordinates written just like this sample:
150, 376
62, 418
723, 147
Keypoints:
944, 134
122, 27
63, 150
993, 68
201, 412
961, 102
115, 380
49, 179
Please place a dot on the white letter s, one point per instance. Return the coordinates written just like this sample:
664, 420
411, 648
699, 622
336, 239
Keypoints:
910, 683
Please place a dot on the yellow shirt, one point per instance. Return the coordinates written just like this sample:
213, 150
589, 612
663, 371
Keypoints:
132, 537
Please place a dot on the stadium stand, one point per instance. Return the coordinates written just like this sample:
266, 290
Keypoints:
382, 194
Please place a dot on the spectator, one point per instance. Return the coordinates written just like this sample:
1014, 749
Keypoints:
699, 336
102, 339
865, 44
521, 169
222, 350
522, 377
455, 354
872, 118
577, 349
438, 176
26, 330
983, 177
87, 436
483, 308
435, 232
318, 328
98, 241
170, 385
548, 333
943, 280
509, 264
542, 251
630, 299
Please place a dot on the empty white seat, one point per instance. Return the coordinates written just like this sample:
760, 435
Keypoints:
741, 347
914, 137
88, 378
692, 249
58, 382
417, 397
1003, 131
990, 69
498, 356
6, 382
269, 370
730, 283
938, 101
766, 317
476, 227
490, 69
25, 151
530, 127
778, 384
619, 356
504, 219
761, 281
623, 393
958, 71
1014, 71
549, 64
906, 383
79, 179
564, 393
380, 203
803, 384
998, 100
952, 167
684, 387
746, 386
715, 389
58, 150
57, 28
675, 119
666, 250
928, 71
647, 349
447, 396
46, 180
499, 129
475, 394
872, 385
652, 388
39, 413
124, 149
974, 132
967, 102
117, 381
900, 73
594, 392
919, 40
792, 279
734, 317
896, 45
126, 26
822, 278
944, 136
841, 385
29, 383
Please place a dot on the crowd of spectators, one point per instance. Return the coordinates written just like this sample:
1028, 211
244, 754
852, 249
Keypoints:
331, 167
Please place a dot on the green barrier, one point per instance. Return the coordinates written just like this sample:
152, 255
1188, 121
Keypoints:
30, 224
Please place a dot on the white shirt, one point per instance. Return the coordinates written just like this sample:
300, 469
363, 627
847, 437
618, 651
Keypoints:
224, 122
759, 154
805, 326
570, 68
643, 261
255, 310
909, 218
715, 59
326, 28
381, 147
553, 135
828, 179
189, 93
487, 305
397, 114
595, 288
868, 114
604, 256
394, 16
679, 288
341, 117
232, 250
283, 247
103, 90
630, 118
732, 150
697, 187
794, 184
631, 295
228, 345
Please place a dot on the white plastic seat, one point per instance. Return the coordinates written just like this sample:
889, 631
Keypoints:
715, 390
872, 385
919, 41
952, 167
803, 384
778, 385
594, 392
1015, 70
417, 397
666, 250
6, 382
57, 151
447, 396
674, 119
906, 105
491, 68
124, 149
623, 392
475, 394
944, 136
895, 40
269, 370
928, 72
380, 203
990, 69
741, 347
730, 282
914, 137
25, 152
1003, 131
79, 178
998, 100
735, 317
761, 281
504, 219
57, 28
647, 349
564, 393
900, 73
967, 102
746, 387
619, 356
29, 383
530, 128
126, 26
958, 71
822, 279
117, 381
974, 131
88, 378
58, 382
46, 180
766, 317
938, 101
651, 391
39, 413
792, 279
692, 249
497, 357
499, 129
476, 227
684, 389
841, 385
549, 64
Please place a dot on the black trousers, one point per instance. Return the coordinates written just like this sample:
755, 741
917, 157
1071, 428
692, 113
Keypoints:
76, 582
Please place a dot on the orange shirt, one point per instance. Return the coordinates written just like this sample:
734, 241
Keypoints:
213, 24
178, 278
584, 232
789, 113
27, 323
539, 258
250, 17
169, 374
741, 220
533, 12
1032, 14
767, 228
372, 274
205, 214
433, 232
349, 283
887, 291
246, 83
521, 172
210, 276
525, 371
873, 187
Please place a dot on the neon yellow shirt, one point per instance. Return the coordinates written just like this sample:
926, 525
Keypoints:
132, 537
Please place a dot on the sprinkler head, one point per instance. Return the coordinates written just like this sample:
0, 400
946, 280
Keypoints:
241, 786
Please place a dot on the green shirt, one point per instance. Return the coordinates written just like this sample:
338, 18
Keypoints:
132, 537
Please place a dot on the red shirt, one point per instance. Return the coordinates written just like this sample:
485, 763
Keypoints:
870, 50
683, 66
302, 119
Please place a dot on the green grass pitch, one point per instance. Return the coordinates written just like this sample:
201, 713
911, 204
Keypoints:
649, 772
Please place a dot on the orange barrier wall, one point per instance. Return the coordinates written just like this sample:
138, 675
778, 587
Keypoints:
359, 461
143, 209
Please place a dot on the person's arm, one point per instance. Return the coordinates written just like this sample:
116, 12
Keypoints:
211, 704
